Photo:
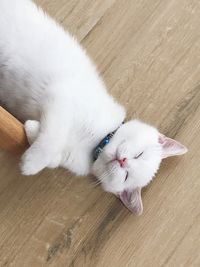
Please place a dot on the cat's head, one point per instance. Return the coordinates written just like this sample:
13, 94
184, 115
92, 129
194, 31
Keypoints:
131, 159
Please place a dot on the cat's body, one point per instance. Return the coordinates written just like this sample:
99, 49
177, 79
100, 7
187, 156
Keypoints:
37, 72
46, 76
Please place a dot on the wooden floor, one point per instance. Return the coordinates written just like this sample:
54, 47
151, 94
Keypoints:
148, 52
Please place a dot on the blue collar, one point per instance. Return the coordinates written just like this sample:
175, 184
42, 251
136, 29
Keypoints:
106, 140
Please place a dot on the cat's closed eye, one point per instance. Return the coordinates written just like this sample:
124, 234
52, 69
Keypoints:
139, 155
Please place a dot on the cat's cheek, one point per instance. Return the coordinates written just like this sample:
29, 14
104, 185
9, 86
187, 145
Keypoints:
96, 170
110, 152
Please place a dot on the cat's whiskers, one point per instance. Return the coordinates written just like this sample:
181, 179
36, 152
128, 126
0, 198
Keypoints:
104, 176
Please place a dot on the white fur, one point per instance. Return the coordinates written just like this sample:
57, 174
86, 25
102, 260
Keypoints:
129, 141
47, 78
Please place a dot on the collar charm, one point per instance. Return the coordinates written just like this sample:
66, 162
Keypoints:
103, 143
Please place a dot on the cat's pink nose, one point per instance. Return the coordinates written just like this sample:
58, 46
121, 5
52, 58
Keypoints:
122, 162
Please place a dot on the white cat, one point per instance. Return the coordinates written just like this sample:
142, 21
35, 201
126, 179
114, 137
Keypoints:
47, 80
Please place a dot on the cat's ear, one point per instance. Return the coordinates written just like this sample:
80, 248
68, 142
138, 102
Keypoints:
132, 200
171, 147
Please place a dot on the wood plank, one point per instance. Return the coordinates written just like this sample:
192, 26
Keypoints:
77, 16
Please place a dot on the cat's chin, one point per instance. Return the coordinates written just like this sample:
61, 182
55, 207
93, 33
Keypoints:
113, 189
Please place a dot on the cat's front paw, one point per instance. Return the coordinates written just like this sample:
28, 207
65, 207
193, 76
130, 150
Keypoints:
32, 128
28, 168
33, 161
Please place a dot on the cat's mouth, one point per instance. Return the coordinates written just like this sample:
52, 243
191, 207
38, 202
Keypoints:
126, 177
116, 162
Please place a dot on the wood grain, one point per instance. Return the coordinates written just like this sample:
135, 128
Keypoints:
148, 52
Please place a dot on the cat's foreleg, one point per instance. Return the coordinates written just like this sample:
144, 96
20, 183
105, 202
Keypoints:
32, 128
48, 139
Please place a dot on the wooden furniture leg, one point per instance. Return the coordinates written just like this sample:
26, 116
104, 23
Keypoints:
12, 134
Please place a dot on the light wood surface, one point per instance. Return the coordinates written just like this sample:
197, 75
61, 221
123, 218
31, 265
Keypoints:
148, 52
